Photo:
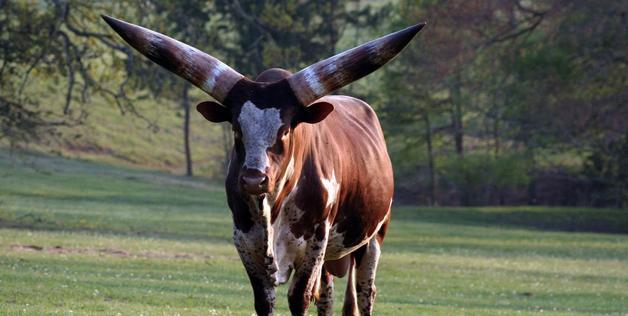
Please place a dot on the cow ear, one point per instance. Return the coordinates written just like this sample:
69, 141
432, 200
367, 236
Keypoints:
214, 112
316, 112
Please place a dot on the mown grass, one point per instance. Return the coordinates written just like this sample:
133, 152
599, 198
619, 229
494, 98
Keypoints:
82, 238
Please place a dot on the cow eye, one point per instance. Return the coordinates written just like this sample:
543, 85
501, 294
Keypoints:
283, 132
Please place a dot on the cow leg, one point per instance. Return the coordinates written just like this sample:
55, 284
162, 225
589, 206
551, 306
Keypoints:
307, 273
256, 255
325, 299
350, 306
367, 258
264, 295
262, 281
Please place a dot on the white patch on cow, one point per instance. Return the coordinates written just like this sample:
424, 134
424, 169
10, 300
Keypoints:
332, 187
214, 74
335, 246
287, 174
308, 269
287, 248
256, 246
259, 132
266, 216
313, 81
365, 277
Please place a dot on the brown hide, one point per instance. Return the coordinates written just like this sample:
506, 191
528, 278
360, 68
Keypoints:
350, 145
338, 267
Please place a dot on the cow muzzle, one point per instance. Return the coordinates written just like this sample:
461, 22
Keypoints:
254, 182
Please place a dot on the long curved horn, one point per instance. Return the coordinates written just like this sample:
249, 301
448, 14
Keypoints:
201, 69
333, 73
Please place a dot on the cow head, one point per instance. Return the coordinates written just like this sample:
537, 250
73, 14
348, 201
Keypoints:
263, 112
263, 115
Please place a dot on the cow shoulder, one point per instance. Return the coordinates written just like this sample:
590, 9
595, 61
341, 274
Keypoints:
353, 109
315, 197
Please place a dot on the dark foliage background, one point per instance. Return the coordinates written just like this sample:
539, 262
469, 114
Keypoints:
496, 102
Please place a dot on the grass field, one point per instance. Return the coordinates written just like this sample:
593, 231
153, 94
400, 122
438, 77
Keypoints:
81, 238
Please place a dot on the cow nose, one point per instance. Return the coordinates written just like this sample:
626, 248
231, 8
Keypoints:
255, 182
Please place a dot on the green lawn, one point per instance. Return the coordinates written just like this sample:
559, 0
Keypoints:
81, 238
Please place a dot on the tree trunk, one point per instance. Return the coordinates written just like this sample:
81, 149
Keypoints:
496, 136
532, 198
430, 158
456, 122
333, 29
456, 115
186, 130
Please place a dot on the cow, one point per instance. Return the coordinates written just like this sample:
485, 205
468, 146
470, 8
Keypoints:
310, 182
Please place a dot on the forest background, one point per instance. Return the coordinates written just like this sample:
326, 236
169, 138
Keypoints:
508, 102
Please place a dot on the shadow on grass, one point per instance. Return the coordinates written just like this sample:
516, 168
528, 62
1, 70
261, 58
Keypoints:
612, 221
113, 231
156, 198
186, 226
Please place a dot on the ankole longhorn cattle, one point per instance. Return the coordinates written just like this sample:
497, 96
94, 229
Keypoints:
310, 183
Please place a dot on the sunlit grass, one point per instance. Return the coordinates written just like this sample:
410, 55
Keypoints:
153, 137
80, 238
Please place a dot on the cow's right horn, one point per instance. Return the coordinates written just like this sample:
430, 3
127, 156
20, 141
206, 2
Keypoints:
333, 73
201, 69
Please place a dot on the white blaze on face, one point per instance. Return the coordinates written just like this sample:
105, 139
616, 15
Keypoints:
259, 132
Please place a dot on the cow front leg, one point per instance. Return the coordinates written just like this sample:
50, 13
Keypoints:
264, 295
308, 271
258, 262
367, 258
325, 299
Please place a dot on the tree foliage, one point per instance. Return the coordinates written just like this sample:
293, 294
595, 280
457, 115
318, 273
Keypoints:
504, 79
47, 40
291, 34
500, 101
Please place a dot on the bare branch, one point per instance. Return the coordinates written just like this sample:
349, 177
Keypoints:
239, 11
68, 58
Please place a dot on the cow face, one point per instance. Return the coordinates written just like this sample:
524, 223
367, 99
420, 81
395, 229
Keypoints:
263, 117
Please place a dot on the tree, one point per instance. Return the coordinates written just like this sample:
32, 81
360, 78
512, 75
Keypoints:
48, 40
190, 22
84, 58
290, 34
449, 71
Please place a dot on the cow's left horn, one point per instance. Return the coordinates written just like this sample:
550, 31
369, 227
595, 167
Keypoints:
342, 69
201, 69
